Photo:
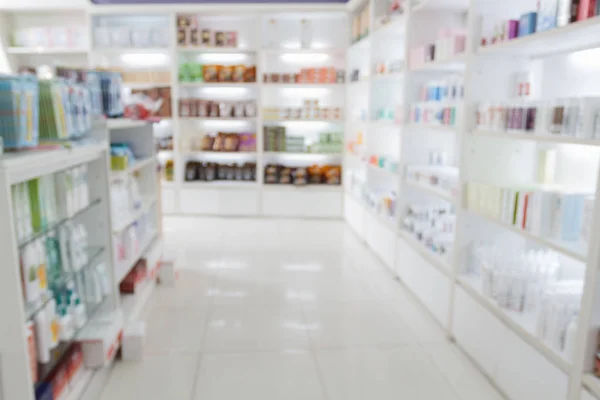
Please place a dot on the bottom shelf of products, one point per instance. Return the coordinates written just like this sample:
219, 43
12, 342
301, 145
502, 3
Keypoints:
426, 280
491, 341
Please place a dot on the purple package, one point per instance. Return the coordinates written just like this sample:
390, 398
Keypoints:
510, 119
512, 29
519, 119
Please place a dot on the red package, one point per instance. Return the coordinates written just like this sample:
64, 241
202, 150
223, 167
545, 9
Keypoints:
74, 363
59, 380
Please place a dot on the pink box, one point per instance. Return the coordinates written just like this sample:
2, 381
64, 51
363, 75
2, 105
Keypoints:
417, 56
459, 44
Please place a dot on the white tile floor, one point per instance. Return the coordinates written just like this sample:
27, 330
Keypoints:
288, 309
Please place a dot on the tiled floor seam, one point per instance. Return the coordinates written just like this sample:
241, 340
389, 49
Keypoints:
196, 377
313, 354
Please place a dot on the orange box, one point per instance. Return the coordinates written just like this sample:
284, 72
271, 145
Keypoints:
74, 364
60, 383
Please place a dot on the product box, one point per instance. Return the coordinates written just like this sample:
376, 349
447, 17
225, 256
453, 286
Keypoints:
527, 24
547, 15
430, 53
365, 21
134, 277
132, 348
167, 273
74, 365
153, 257
585, 10
43, 391
101, 338
512, 29
60, 383
355, 28
32, 353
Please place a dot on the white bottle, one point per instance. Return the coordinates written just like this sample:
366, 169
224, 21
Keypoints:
98, 292
85, 187
42, 336
42, 266
72, 235
30, 266
83, 245
79, 315
69, 192
570, 338
104, 280
54, 331
305, 34
66, 325
272, 34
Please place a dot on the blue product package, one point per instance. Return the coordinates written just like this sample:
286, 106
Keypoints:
547, 15
19, 111
43, 391
527, 24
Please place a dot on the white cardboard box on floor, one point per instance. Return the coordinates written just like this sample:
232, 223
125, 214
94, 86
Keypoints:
101, 339
167, 273
132, 347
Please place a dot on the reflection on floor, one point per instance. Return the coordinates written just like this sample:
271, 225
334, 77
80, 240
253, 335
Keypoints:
288, 309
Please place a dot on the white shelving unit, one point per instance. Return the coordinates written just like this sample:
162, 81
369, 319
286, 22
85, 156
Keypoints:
142, 220
255, 48
17, 168
502, 343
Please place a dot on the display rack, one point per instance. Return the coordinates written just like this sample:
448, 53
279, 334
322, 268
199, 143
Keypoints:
505, 343
255, 47
16, 169
387, 160
139, 217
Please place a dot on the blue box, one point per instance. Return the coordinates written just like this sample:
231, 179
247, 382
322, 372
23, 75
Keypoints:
527, 24
547, 15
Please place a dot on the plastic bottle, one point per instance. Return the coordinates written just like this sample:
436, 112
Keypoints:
83, 245
79, 315
104, 279
305, 34
53, 323
42, 337
570, 338
30, 266
66, 325
42, 275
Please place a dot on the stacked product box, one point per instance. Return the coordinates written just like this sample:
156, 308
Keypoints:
438, 102
313, 175
449, 43
158, 77
57, 36
360, 24
329, 142
549, 14
307, 75
214, 73
191, 34
433, 225
194, 107
210, 172
294, 144
544, 211
574, 117
441, 177
310, 111
275, 138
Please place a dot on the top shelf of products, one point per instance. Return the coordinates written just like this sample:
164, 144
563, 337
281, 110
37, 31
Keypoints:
576, 36
24, 166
